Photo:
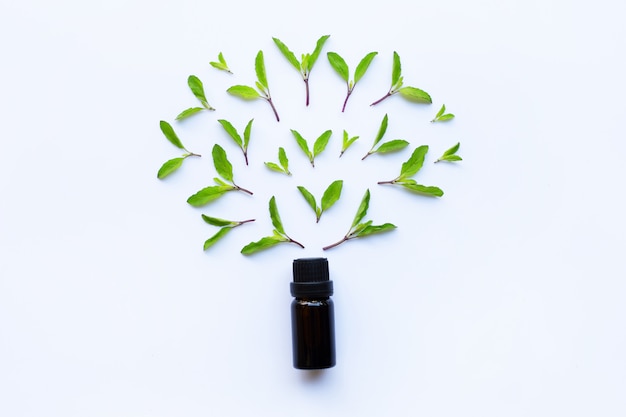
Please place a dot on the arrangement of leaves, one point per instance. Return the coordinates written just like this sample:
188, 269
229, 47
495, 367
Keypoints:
225, 227
224, 182
339, 65
442, 116
346, 142
391, 146
278, 236
225, 170
305, 65
360, 230
173, 164
232, 132
329, 198
397, 82
450, 155
409, 169
221, 64
318, 146
282, 160
249, 93
198, 90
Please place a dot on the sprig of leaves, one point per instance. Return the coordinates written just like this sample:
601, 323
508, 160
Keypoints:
359, 229
284, 163
305, 65
232, 132
318, 146
339, 65
329, 198
225, 170
278, 235
391, 146
198, 90
249, 93
221, 64
450, 155
173, 164
225, 227
409, 169
442, 116
397, 82
347, 141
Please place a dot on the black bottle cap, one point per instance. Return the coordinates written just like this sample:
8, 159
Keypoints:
310, 278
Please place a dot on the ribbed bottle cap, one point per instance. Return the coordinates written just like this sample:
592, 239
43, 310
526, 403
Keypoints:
310, 278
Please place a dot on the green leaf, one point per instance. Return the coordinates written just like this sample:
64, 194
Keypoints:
223, 167
168, 167
321, 142
363, 66
230, 129
450, 158
275, 216
308, 197
288, 54
359, 227
219, 181
381, 130
221, 65
392, 146
169, 133
208, 194
189, 112
370, 230
198, 90
441, 111
243, 91
415, 94
332, 194
421, 189
246, 134
414, 163
264, 243
396, 69
339, 65
215, 221
259, 67
316, 53
282, 158
362, 210
302, 143
274, 167
453, 149
213, 239
445, 117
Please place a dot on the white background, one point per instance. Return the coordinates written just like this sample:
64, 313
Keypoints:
506, 297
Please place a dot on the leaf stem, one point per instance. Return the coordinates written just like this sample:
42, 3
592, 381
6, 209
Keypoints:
245, 221
269, 100
387, 182
306, 83
343, 109
242, 189
389, 94
245, 156
295, 241
345, 239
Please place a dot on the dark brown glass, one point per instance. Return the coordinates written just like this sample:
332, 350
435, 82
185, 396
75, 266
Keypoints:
313, 333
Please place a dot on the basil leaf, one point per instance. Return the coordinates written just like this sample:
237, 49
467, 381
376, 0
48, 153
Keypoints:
441, 112
414, 163
282, 158
415, 94
213, 239
302, 144
331, 195
189, 112
445, 117
339, 65
259, 67
198, 90
223, 167
246, 134
321, 142
392, 146
264, 243
363, 65
287, 54
168, 167
308, 197
208, 194
370, 230
451, 158
169, 133
381, 130
214, 221
362, 210
230, 129
396, 70
274, 167
275, 216
318, 49
421, 189
243, 91
452, 150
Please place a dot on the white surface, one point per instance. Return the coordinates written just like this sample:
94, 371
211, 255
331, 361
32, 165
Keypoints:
504, 298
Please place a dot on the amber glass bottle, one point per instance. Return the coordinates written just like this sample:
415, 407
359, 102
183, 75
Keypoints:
312, 315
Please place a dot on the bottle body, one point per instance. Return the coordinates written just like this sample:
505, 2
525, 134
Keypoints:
313, 333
